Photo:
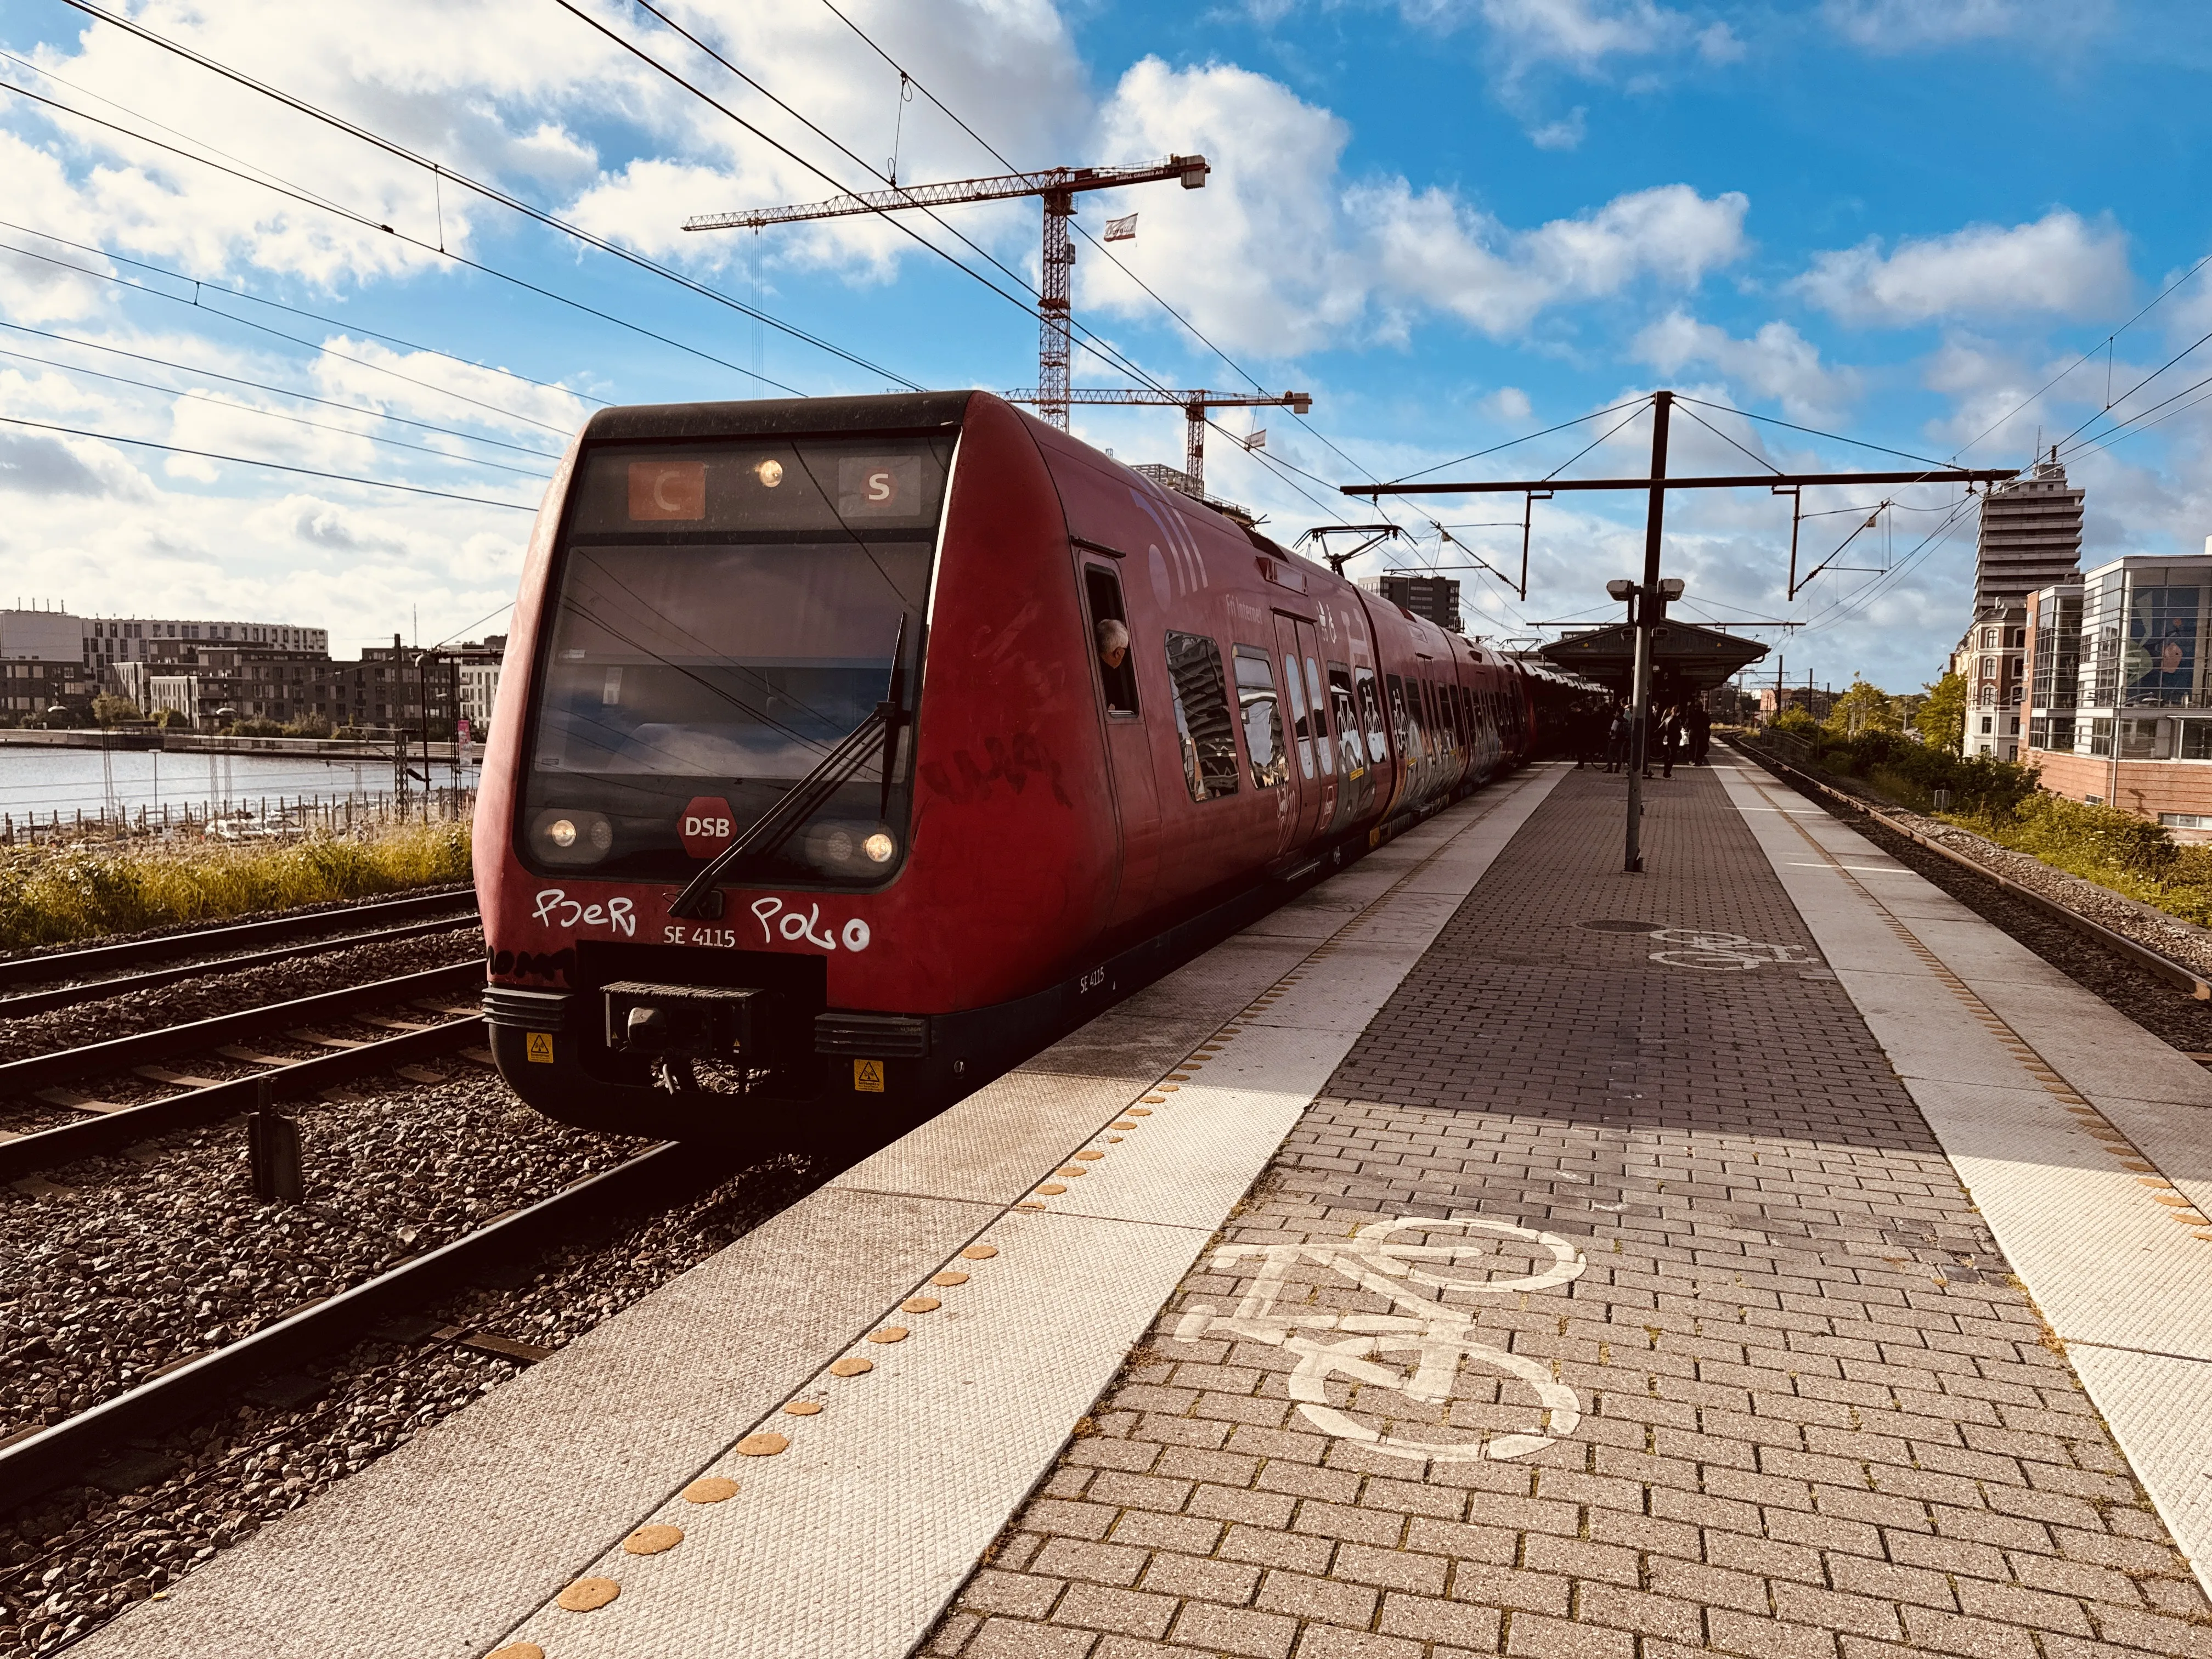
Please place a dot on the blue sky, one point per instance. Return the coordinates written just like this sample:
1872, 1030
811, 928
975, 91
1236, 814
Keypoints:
1454, 221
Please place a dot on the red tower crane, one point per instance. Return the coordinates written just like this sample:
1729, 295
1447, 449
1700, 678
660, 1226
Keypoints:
1057, 186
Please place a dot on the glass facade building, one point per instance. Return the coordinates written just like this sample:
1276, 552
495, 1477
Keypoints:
2122, 662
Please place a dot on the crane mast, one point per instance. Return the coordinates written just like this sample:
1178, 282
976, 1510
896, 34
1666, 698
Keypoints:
1058, 188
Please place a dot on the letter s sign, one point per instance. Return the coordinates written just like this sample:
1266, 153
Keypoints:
879, 486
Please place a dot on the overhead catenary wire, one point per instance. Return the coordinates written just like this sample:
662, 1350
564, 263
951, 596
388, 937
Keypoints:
363, 220
282, 391
272, 466
489, 192
275, 415
350, 327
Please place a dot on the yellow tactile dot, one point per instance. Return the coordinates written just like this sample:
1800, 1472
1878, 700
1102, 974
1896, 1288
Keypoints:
587, 1594
652, 1541
1157, 1100
1116, 1140
2206, 1235
803, 1408
1169, 1088
980, 1252
761, 1445
950, 1276
1028, 1204
852, 1365
2174, 1199
1052, 1189
2153, 1181
919, 1304
889, 1334
519, 1650
711, 1489
1123, 1123
1146, 1111
1090, 1155
1072, 1169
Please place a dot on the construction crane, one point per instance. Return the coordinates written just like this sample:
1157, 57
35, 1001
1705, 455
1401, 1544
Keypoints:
1193, 405
1059, 186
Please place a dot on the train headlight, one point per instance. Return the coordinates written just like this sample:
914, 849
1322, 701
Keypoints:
770, 473
879, 847
569, 836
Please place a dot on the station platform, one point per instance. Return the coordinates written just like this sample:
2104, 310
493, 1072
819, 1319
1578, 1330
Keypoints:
1488, 1251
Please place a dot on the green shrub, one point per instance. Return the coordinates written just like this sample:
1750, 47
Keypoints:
1909, 772
49, 895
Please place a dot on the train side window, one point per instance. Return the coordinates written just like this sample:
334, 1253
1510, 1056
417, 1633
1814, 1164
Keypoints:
1370, 711
1205, 728
1119, 679
1319, 700
1349, 748
1301, 727
1399, 725
1262, 718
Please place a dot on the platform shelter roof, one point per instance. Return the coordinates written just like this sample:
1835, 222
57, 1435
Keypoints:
1686, 658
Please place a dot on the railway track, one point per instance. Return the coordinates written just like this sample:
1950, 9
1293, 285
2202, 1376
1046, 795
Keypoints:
2178, 975
111, 970
37, 1460
110, 1126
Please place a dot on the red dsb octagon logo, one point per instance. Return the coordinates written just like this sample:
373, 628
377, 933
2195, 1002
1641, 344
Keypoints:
707, 827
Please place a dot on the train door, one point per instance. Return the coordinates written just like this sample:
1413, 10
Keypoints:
1313, 769
1128, 746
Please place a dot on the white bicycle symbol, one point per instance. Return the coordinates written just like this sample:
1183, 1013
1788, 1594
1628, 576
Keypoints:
1691, 947
1440, 1338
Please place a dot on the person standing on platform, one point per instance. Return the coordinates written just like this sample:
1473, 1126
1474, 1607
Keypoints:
1701, 733
1670, 741
1616, 739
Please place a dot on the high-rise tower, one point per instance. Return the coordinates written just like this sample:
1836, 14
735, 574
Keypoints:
2031, 536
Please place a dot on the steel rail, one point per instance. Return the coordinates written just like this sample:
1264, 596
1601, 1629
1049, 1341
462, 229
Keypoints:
68, 996
120, 1054
111, 1131
133, 953
2154, 962
40, 1460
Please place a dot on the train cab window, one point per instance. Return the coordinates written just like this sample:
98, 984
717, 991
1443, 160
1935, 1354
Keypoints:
1350, 752
1205, 728
1262, 719
1117, 671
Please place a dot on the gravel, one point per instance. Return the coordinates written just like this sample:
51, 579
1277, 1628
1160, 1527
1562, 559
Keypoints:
71, 1561
121, 1265
220, 992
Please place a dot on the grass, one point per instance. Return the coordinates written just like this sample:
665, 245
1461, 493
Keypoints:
53, 896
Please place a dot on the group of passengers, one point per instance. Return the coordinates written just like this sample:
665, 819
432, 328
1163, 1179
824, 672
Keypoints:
1681, 731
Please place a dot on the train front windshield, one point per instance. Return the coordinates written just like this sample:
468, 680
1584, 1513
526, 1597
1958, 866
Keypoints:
724, 615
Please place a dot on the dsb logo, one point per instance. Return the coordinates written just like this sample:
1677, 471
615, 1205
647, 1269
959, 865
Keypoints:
707, 826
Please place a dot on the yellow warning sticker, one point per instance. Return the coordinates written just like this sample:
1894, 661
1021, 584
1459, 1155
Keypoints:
540, 1046
868, 1076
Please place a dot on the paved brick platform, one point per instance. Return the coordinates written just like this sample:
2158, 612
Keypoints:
1614, 1300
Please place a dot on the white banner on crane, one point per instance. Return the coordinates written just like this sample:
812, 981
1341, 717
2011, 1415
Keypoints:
1122, 230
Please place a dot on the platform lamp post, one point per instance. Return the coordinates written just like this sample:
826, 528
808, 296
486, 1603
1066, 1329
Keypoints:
1647, 614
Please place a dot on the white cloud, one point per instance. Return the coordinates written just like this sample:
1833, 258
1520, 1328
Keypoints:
1280, 254
1899, 26
1776, 362
1566, 133
2059, 265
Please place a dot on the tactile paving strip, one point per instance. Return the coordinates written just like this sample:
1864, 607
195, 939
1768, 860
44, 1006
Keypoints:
2114, 1254
445, 1546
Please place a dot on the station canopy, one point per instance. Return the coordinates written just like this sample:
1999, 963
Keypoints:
1685, 657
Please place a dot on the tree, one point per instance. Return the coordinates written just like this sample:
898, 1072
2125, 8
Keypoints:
1942, 718
107, 709
1864, 707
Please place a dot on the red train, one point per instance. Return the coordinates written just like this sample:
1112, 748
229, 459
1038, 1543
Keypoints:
852, 748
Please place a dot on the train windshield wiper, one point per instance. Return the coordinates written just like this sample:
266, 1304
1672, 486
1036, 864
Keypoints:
765, 833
